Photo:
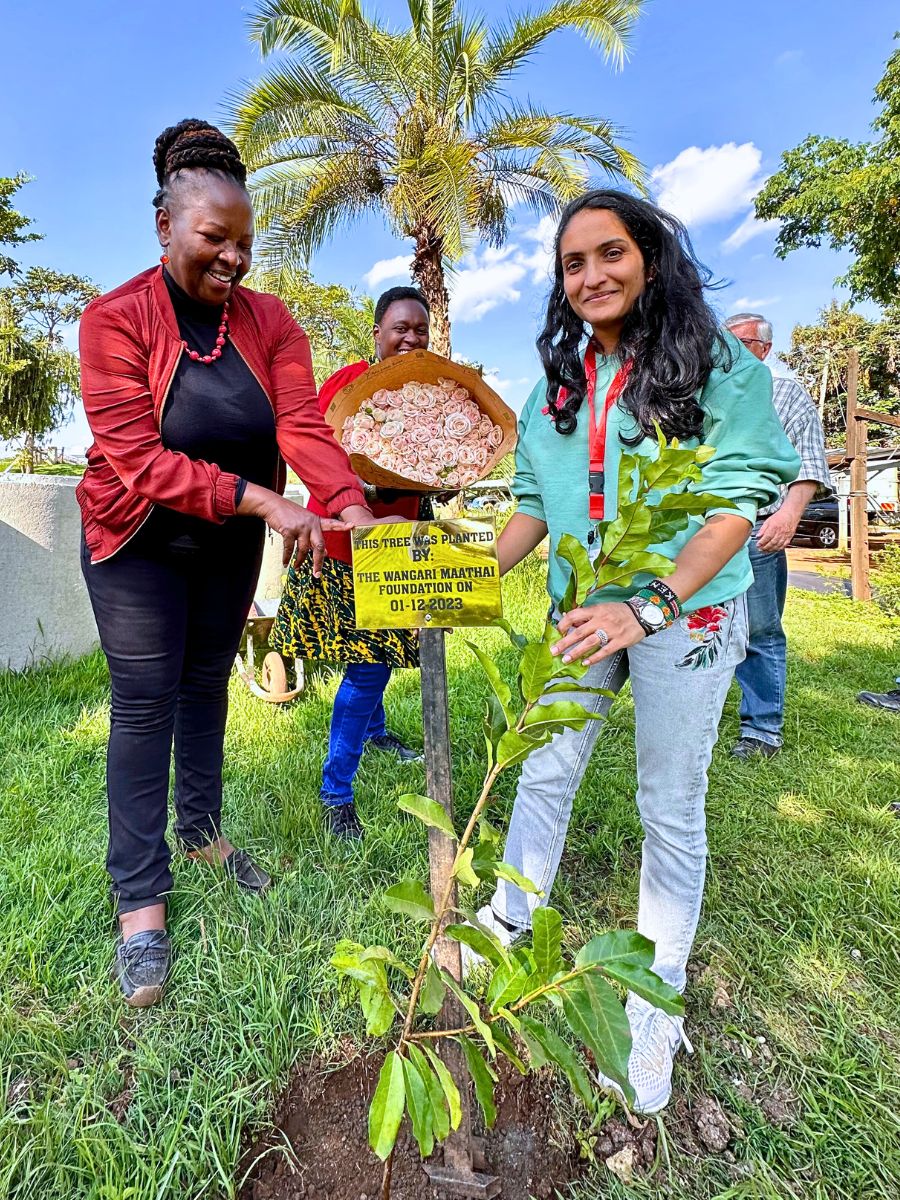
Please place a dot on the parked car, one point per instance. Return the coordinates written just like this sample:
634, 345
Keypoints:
819, 523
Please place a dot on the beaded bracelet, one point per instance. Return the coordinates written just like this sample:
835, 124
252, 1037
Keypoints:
657, 593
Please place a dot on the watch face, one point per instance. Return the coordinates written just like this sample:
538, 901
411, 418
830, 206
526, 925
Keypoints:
652, 615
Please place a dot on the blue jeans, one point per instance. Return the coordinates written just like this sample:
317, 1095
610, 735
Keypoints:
679, 681
358, 715
763, 674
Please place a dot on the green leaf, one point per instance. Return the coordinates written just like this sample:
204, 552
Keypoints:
494, 725
429, 811
536, 668
536, 1051
514, 748
546, 926
484, 855
378, 1009
386, 1109
495, 679
568, 714
482, 942
418, 1105
511, 984
463, 870
472, 1009
571, 551
382, 954
558, 1051
483, 1078
646, 984
628, 533
440, 1118
695, 503
574, 686
596, 1016
488, 834
506, 1046
431, 995
617, 945
503, 870
448, 1083
518, 639
410, 898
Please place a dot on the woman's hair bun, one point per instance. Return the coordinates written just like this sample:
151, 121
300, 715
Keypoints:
194, 143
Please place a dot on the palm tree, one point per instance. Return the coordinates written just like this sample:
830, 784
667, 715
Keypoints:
416, 124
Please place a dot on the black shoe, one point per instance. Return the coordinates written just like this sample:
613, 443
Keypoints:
342, 821
240, 867
391, 744
888, 700
750, 747
142, 966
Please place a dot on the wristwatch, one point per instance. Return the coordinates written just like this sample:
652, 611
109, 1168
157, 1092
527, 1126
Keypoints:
649, 616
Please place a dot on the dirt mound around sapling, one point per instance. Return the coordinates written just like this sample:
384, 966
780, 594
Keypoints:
323, 1116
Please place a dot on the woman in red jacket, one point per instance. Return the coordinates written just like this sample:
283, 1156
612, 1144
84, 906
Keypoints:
316, 618
197, 391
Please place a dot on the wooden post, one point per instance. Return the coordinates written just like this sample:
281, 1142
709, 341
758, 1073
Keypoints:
457, 1176
857, 438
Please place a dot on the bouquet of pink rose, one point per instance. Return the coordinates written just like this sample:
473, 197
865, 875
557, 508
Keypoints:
431, 433
420, 422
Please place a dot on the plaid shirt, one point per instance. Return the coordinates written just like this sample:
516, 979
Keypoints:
800, 419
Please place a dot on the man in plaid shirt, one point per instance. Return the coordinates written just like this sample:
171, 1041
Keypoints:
762, 675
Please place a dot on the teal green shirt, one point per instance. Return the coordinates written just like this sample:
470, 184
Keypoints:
753, 459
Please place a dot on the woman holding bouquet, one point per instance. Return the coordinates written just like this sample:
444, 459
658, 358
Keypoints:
316, 617
629, 343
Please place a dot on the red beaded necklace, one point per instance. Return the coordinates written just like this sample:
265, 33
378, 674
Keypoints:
221, 339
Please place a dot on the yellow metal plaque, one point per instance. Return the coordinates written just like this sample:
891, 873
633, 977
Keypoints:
426, 574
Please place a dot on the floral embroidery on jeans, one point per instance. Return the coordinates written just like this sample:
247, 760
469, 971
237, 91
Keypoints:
705, 628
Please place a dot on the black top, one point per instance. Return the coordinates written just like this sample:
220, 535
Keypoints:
216, 412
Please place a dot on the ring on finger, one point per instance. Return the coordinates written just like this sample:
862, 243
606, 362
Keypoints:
602, 637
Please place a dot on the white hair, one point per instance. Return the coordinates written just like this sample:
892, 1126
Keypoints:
763, 327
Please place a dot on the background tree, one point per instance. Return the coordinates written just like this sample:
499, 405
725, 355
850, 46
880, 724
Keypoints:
39, 377
848, 196
337, 321
819, 352
12, 223
416, 124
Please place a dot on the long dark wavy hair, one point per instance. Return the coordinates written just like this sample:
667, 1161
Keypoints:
671, 336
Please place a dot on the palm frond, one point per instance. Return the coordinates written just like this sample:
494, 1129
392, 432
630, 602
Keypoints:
606, 24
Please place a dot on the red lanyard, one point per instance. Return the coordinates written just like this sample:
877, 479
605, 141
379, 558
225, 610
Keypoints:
597, 436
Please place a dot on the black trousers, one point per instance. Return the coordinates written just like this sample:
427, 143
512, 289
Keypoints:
170, 613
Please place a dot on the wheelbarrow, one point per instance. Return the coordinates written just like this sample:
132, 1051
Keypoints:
273, 676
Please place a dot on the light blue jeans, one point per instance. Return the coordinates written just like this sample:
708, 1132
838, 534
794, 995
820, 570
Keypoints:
679, 681
763, 674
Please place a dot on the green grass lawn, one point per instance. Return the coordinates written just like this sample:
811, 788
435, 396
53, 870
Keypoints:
794, 1006
48, 468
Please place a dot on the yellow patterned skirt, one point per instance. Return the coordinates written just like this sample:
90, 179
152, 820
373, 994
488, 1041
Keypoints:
317, 620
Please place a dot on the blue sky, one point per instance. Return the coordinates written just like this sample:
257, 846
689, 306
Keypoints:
710, 97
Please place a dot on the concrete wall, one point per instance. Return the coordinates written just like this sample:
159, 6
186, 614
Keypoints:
44, 609
45, 613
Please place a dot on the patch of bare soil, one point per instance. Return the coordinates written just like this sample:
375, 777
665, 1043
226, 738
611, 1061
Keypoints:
323, 1118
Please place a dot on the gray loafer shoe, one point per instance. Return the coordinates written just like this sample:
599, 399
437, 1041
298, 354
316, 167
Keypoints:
142, 965
240, 867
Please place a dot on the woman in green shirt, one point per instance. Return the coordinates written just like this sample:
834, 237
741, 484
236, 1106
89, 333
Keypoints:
629, 332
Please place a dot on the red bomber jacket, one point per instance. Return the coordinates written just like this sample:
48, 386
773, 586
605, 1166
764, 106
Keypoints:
130, 347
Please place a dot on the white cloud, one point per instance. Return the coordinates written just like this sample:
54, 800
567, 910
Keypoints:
749, 228
483, 284
540, 261
786, 57
701, 186
387, 268
753, 304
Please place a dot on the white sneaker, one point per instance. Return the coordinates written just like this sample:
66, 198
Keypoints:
471, 959
655, 1039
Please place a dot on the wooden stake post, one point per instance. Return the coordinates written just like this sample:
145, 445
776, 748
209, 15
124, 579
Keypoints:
857, 439
458, 1175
